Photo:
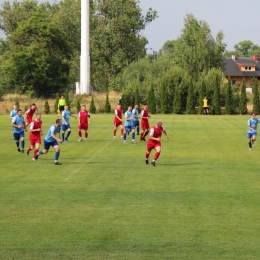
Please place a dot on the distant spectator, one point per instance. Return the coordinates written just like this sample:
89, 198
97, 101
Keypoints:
62, 103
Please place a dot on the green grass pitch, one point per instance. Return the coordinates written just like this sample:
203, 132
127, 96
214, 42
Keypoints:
201, 201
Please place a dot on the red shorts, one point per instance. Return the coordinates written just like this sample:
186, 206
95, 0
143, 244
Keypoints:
116, 124
152, 145
35, 139
145, 124
28, 119
83, 127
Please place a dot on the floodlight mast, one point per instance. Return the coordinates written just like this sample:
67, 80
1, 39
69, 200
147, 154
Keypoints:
85, 57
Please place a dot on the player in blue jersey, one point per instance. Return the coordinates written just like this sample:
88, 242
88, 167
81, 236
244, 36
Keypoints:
66, 123
136, 118
252, 130
51, 140
18, 125
13, 113
129, 126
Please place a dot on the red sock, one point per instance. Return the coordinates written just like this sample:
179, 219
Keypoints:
147, 155
114, 132
29, 149
122, 132
156, 156
146, 133
80, 135
141, 135
86, 135
35, 153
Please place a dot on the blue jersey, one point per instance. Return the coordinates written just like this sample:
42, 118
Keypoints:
128, 114
18, 121
66, 116
52, 130
13, 113
135, 112
253, 124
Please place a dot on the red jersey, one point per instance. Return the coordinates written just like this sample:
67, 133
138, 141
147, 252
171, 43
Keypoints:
36, 125
30, 112
83, 116
145, 113
118, 112
156, 132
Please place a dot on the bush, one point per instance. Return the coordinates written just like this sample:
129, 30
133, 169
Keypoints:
56, 103
16, 102
107, 105
78, 101
46, 107
92, 108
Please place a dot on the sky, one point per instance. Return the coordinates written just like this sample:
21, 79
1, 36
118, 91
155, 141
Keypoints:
238, 19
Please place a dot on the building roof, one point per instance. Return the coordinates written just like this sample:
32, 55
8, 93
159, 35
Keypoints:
232, 69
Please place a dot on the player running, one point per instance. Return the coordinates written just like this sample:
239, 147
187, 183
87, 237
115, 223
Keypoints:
18, 124
144, 122
252, 130
51, 140
154, 141
66, 123
84, 121
118, 120
136, 118
13, 113
35, 136
129, 125
29, 114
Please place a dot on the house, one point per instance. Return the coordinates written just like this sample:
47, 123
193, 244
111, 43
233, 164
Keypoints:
238, 68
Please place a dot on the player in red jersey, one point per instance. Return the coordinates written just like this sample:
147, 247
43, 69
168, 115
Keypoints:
118, 120
144, 122
35, 135
29, 114
154, 141
84, 121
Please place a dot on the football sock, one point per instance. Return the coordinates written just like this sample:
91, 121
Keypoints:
80, 135
138, 129
124, 136
114, 132
141, 136
250, 145
146, 133
40, 152
133, 136
86, 135
62, 137
57, 154
156, 156
68, 134
35, 153
147, 155
29, 149
17, 144
121, 132
22, 143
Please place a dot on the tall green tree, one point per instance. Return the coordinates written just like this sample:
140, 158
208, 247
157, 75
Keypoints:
137, 95
229, 98
243, 99
107, 105
202, 94
216, 108
164, 100
151, 100
92, 106
38, 56
190, 105
177, 106
256, 99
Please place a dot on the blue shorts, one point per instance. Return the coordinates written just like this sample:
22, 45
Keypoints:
18, 136
47, 145
250, 135
136, 123
65, 127
129, 128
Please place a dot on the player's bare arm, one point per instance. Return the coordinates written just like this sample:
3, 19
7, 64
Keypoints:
166, 134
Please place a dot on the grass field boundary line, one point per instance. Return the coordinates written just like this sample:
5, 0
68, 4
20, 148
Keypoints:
84, 164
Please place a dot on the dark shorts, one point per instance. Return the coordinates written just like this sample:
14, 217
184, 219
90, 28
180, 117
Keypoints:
18, 136
136, 123
129, 128
250, 135
47, 145
61, 108
205, 108
65, 127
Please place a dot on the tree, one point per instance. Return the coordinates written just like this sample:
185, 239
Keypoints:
246, 48
67, 98
229, 98
46, 107
92, 107
256, 100
202, 94
38, 56
151, 100
137, 95
57, 98
107, 105
243, 99
164, 97
177, 107
216, 109
190, 106
78, 101
16, 102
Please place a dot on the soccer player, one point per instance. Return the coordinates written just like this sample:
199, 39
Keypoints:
118, 120
205, 106
154, 141
35, 135
144, 122
19, 126
66, 123
13, 113
136, 118
51, 140
29, 114
84, 121
129, 125
252, 130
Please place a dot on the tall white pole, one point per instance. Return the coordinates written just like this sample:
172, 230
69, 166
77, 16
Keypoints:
85, 57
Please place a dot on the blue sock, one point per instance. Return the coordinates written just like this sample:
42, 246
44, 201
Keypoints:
17, 144
68, 134
62, 136
40, 152
124, 136
133, 136
22, 144
57, 154
138, 130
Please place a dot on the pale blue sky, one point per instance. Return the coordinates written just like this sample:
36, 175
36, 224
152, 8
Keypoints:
238, 19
